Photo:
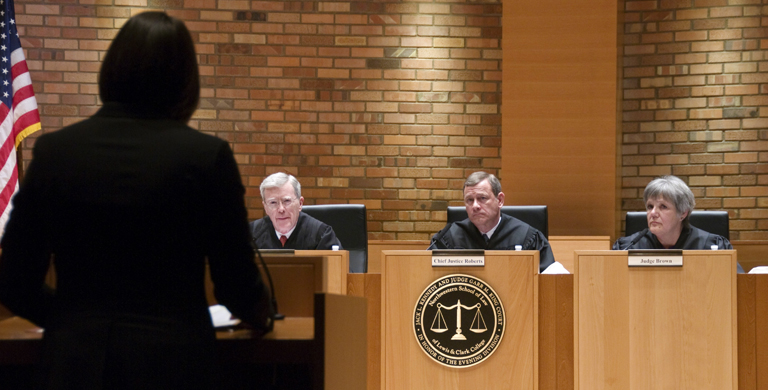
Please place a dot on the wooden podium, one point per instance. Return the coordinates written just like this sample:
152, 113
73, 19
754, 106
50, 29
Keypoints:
655, 327
514, 277
331, 343
299, 275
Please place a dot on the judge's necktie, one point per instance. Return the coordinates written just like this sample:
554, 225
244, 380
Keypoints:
283, 239
485, 237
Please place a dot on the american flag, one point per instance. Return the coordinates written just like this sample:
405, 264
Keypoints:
18, 108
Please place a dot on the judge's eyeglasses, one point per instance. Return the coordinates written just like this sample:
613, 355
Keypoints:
274, 204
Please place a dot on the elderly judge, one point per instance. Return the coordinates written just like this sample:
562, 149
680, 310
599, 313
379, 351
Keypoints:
285, 226
668, 205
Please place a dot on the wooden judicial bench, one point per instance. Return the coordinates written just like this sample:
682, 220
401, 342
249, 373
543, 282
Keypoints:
725, 347
323, 331
563, 248
560, 315
555, 308
557, 350
655, 327
511, 274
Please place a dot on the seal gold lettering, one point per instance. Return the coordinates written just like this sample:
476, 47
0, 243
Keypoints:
459, 321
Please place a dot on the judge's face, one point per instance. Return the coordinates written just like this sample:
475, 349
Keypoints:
483, 207
283, 207
664, 221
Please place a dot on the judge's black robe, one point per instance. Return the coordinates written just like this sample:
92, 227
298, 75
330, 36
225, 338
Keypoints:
510, 232
691, 238
309, 233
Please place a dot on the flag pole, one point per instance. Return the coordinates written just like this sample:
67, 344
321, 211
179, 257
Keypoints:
19, 161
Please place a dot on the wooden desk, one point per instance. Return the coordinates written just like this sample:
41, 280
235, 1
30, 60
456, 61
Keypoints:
404, 365
563, 248
332, 343
375, 247
298, 276
655, 327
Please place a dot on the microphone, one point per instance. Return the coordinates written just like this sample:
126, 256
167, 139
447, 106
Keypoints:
275, 314
635, 240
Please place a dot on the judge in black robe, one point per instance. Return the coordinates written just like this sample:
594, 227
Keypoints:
668, 203
509, 232
691, 238
309, 233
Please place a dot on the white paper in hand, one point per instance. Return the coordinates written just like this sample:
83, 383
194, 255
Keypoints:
221, 316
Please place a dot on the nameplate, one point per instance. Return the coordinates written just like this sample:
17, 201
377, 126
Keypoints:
655, 258
458, 258
277, 252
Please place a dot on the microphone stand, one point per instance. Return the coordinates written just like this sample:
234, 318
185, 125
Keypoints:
275, 314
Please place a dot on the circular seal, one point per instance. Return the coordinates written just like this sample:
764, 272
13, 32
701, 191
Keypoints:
458, 320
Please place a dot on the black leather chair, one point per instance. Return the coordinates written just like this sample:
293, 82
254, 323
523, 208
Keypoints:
349, 222
715, 222
535, 216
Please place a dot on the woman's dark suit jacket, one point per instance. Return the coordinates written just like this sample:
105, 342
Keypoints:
129, 210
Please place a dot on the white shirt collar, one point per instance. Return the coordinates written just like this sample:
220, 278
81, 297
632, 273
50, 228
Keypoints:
490, 232
287, 235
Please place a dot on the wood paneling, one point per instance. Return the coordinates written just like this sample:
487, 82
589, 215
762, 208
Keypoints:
751, 253
556, 332
340, 328
559, 112
513, 275
564, 247
375, 247
655, 327
298, 276
753, 331
369, 287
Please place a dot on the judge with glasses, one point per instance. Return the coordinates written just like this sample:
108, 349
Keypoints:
285, 226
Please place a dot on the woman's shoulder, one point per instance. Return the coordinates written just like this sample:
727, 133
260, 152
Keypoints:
702, 239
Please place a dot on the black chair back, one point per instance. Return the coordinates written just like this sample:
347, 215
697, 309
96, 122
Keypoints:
715, 222
350, 224
535, 216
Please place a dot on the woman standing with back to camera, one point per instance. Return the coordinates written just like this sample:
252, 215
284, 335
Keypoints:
129, 204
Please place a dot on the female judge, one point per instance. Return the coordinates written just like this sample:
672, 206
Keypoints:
668, 204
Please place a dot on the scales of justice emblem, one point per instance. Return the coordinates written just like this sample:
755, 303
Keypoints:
442, 312
439, 324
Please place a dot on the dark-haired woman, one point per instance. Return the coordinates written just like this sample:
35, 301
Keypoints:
129, 204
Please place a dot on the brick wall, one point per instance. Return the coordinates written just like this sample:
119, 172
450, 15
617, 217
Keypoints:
386, 103
393, 103
695, 105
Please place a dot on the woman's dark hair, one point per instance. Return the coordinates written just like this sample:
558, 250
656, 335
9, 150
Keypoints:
151, 68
